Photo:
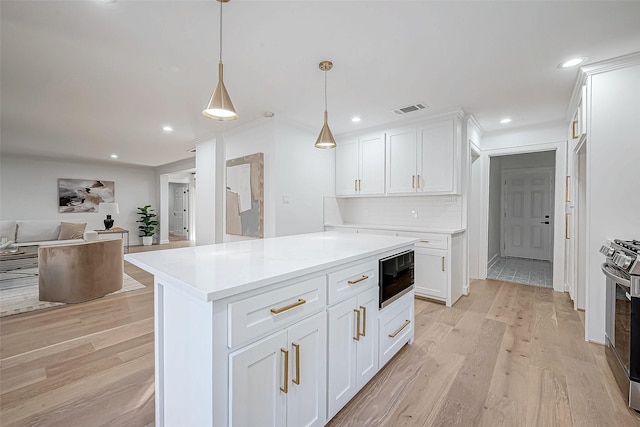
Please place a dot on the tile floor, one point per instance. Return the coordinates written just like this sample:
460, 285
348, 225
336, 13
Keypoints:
519, 270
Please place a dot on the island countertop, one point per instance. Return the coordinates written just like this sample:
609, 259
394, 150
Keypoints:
213, 272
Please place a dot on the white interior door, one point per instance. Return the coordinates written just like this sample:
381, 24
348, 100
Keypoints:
528, 213
179, 225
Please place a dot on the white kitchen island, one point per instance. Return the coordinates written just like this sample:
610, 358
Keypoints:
280, 331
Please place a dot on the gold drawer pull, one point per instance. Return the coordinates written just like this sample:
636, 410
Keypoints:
393, 335
288, 307
424, 241
285, 387
296, 380
353, 282
357, 337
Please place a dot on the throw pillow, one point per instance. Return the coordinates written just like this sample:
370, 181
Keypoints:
70, 230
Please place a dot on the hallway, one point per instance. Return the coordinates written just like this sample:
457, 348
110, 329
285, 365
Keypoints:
519, 270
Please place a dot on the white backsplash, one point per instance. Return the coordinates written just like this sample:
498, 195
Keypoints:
430, 211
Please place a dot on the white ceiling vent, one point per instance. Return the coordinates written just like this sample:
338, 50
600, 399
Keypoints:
410, 108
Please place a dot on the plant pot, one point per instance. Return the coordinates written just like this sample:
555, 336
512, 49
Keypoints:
147, 240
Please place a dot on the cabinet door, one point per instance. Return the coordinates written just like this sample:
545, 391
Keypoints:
307, 397
346, 167
341, 373
372, 151
401, 161
430, 273
255, 376
436, 152
367, 347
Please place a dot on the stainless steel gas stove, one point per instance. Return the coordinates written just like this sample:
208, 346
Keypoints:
622, 330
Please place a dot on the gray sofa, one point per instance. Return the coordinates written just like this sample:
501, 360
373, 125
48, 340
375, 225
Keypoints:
44, 232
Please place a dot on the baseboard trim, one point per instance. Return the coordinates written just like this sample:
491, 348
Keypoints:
493, 260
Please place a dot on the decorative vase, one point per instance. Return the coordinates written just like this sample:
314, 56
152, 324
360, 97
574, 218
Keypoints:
108, 222
147, 240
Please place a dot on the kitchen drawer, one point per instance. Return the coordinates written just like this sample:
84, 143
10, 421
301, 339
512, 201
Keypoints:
254, 316
396, 327
428, 240
353, 280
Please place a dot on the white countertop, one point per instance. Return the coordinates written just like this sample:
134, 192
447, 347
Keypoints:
409, 228
214, 272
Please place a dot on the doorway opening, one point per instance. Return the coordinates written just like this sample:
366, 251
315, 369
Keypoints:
180, 205
521, 218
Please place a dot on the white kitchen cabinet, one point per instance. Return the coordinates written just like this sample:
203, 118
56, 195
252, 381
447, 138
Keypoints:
401, 152
423, 160
352, 347
396, 327
436, 166
430, 273
360, 166
281, 380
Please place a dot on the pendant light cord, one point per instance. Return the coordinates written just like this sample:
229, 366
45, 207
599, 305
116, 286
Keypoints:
325, 90
220, 31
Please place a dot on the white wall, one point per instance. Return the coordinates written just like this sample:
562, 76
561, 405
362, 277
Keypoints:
613, 154
495, 190
29, 189
294, 171
206, 214
549, 132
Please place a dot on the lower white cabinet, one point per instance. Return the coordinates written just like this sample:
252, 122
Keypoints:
281, 380
430, 273
396, 327
353, 347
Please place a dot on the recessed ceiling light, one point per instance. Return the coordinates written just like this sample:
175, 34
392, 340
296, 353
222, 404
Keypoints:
355, 119
167, 128
114, 156
572, 62
505, 120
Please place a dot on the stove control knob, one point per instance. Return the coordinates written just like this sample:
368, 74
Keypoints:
618, 259
626, 262
605, 250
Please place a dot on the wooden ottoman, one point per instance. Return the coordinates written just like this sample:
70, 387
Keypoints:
80, 272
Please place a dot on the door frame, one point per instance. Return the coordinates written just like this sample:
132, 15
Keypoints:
503, 203
559, 201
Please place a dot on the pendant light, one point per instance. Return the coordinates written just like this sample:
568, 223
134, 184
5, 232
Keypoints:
325, 139
220, 106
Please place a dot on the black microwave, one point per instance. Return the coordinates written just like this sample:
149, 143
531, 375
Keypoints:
396, 277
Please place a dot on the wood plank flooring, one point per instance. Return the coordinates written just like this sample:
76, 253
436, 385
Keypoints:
506, 355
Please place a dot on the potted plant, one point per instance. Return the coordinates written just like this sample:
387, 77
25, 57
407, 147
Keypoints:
148, 224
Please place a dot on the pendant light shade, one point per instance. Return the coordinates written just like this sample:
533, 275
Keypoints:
325, 139
220, 106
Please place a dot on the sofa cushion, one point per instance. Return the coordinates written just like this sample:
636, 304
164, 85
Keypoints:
34, 230
71, 230
8, 229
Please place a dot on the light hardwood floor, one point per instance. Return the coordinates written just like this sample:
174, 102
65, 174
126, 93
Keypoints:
506, 355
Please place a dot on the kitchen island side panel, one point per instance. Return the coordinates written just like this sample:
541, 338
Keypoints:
184, 358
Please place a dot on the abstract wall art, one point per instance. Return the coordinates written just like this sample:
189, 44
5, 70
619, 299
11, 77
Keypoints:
83, 195
245, 196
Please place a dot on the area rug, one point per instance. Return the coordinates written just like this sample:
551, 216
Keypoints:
19, 291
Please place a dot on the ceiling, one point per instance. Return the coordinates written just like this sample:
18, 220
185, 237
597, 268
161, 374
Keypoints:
87, 79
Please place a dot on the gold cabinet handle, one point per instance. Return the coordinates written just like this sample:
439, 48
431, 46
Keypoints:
413, 181
285, 387
357, 337
288, 307
353, 282
359, 185
424, 241
355, 185
566, 191
574, 133
393, 335
364, 321
418, 181
296, 380
442, 263
566, 226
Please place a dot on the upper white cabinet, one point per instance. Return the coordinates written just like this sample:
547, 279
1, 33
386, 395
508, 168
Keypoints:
401, 153
436, 165
360, 166
414, 160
